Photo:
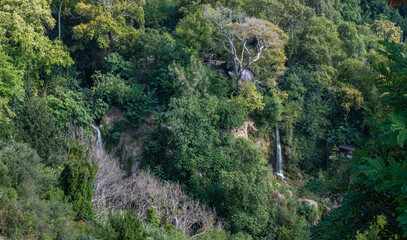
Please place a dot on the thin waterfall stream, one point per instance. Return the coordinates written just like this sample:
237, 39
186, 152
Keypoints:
279, 164
99, 143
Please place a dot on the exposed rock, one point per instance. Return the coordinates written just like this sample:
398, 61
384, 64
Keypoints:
112, 117
337, 202
290, 193
218, 66
260, 143
131, 143
308, 201
247, 75
243, 131
277, 195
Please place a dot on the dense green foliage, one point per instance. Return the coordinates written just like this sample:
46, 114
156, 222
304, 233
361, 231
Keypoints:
120, 225
77, 182
378, 170
194, 91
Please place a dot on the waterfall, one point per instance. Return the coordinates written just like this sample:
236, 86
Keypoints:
279, 164
99, 143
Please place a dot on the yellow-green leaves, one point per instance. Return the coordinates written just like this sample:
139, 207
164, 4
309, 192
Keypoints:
23, 43
35, 12
196, 31
351, 97
246, 39
10, 76
249, 98
5, 112
386, 29
109, 22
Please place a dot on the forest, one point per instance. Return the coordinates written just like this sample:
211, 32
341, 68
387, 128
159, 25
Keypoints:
203, 119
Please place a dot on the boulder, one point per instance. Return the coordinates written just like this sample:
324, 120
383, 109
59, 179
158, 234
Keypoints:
243, 131
278, 196
290, 194
308, 201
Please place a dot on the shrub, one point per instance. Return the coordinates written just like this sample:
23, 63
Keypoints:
77, 181
127, 225
230, 114
152, 217
249, 98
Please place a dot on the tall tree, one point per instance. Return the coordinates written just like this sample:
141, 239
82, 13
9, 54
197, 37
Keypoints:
109, 21
351, 10
374, 182
387, 30
352, 41
247, 187
245, 39
77, 181
22, 27
320, 43
59, 6
289, 15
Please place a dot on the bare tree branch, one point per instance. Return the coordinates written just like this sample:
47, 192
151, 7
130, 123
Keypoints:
142, 191
243, 37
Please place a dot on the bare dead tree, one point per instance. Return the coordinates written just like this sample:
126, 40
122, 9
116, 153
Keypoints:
246, 39
142, 191
80, 134
108, 177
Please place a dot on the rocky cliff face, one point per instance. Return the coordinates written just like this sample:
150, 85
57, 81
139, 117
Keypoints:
130, 145
243, 131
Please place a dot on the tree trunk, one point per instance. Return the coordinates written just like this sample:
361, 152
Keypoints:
238, 82
59, 21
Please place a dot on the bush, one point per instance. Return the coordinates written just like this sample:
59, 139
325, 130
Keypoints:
214, 235
29, 202
111, 89
152, 217
249, 98
309, 212
119, 225
38, 127
77, 181
156, 233
241, 236
127, 225
230, 114
139, 103
69, 107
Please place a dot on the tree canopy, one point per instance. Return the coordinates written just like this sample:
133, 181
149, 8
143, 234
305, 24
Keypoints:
166, 119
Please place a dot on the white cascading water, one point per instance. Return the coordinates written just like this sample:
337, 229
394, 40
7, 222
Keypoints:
99, 138
279, 164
